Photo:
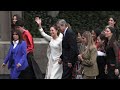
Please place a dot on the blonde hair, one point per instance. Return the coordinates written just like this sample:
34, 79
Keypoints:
89, 38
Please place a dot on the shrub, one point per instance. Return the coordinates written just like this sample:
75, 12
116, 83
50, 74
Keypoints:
79, 20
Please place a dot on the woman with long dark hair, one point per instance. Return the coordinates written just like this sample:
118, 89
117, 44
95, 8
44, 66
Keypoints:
17, 56
112, 53
112, 22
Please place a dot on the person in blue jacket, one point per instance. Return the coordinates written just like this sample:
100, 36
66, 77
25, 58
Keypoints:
16, 57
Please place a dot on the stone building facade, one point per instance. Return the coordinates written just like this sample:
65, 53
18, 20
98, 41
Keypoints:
5, 28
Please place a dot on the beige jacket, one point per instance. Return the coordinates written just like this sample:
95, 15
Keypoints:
90, 62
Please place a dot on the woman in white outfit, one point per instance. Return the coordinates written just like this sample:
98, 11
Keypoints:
54, 68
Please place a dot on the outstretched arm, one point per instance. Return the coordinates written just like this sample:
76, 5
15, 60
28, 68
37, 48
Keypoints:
38, 21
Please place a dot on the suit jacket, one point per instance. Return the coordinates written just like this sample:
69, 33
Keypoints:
69, 47
20, 56
90, 62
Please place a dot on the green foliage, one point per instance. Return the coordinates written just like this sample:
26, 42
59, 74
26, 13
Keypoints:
79, 20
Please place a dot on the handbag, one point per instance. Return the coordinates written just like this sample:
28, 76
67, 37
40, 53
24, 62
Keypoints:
79, 70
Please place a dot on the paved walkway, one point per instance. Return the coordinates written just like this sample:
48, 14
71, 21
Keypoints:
4, 76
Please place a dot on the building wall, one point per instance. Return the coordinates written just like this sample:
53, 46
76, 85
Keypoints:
5, 25
16, 12
5, 32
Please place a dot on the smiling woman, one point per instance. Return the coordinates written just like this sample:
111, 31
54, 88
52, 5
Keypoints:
112, 49
15, 17
88, 57
112, 21
54, 67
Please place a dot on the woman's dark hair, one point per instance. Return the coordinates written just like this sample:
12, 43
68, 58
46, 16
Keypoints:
18, 33
114, 18
19, 23
113, 38
102, 37
56, 28
97, 31
113, 30
115, 26
17, 17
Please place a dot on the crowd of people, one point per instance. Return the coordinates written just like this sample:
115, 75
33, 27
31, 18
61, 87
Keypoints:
90, 54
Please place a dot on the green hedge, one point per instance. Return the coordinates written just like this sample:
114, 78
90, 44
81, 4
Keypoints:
79, 20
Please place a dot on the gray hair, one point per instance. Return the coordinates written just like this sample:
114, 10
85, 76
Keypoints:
62, 22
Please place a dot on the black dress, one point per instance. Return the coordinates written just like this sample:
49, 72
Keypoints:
32, 71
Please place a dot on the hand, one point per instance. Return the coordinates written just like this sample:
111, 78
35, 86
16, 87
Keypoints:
38, 21
116, 72
106, 71
3, 65
80, 57
69, 65
60, 61
18, 65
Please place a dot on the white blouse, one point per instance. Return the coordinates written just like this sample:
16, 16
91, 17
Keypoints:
15, 43
54, 50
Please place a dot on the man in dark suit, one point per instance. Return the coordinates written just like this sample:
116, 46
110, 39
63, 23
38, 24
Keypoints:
69, 48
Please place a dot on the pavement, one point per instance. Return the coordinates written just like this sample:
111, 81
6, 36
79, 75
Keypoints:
4, 76
7, 76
